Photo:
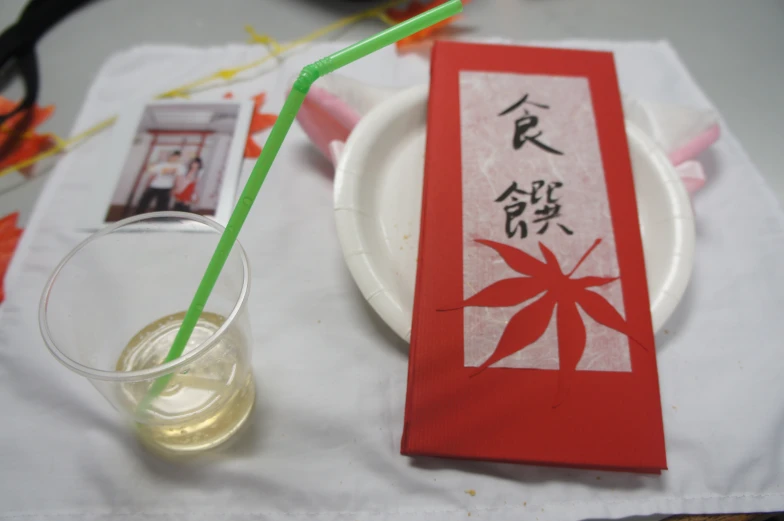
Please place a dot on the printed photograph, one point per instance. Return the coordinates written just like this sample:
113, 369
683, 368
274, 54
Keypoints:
184, 156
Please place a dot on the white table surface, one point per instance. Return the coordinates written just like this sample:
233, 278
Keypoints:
733, 48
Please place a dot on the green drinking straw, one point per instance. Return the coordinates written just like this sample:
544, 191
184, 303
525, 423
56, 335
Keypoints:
307, 76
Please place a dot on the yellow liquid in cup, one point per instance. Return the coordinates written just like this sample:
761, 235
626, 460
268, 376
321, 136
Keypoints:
204, 404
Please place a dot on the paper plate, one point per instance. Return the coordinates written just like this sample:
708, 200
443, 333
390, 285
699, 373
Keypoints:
378, 196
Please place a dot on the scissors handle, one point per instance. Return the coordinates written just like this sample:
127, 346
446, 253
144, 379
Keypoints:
17, 44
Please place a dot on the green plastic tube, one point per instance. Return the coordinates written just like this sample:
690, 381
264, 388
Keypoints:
308, 75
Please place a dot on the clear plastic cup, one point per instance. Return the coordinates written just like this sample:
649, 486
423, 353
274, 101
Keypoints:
110, 312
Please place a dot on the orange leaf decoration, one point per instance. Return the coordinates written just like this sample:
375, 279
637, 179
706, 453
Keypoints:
38, 116
561, 294
416, 8
18, 141
252, 150
15, 148
259, 99
261, 122
258, 123
9, 238
22, 147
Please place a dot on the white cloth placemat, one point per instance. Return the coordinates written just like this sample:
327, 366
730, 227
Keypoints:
325, 437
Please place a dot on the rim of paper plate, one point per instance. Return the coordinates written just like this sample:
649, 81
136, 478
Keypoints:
360, 260
679, 274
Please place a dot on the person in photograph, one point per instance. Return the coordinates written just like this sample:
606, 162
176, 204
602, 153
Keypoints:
185, 187
162, 177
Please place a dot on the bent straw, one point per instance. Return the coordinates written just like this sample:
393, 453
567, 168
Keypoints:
308, 75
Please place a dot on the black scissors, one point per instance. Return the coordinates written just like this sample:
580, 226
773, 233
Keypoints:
17, 46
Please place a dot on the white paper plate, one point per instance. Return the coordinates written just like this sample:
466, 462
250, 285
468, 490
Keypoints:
378, 195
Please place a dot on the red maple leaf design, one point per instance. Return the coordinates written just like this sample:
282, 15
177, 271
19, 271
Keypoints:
560, 293
416, 8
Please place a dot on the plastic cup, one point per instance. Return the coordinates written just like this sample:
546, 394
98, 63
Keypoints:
113, 306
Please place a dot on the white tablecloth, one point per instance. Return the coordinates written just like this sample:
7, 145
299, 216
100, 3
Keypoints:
324, 442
